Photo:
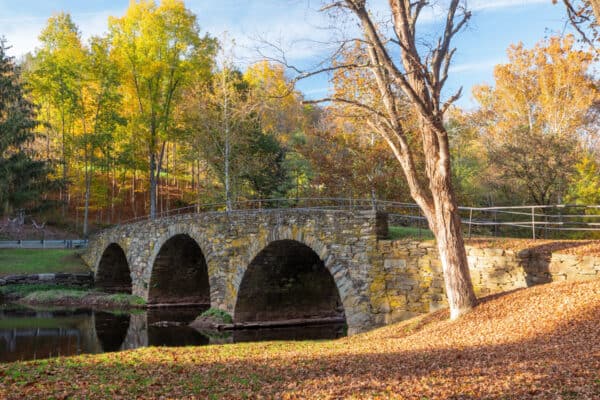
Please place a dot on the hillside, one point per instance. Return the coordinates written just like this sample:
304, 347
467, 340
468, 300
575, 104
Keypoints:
537, 343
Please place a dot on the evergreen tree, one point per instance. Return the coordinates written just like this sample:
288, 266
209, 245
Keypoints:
20, 172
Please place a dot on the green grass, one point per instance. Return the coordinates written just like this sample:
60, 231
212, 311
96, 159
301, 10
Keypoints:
218, 314
39, 261
126, 299
49, 296
53, 294
23, 290
409, 232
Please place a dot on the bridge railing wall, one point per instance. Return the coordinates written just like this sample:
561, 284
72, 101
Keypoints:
533, 221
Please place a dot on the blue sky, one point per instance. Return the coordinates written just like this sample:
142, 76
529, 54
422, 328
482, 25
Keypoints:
298, 26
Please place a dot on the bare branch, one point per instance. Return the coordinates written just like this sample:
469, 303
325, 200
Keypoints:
451, 100
355, 103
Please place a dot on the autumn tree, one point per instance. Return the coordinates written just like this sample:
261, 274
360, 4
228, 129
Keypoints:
223, 127
101, 114
55, 78
158, 47
585, 183
21, 171
532, 117
404, 72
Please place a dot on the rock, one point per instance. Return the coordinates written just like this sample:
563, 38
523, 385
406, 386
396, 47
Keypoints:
166, 324
46, 277
205, 323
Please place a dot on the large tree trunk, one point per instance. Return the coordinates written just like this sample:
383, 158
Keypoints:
447, 230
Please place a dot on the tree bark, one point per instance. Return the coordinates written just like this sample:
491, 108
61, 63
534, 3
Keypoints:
152, 184
446, 226
88, 186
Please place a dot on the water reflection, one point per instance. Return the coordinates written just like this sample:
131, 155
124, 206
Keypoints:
111, 329
28, 333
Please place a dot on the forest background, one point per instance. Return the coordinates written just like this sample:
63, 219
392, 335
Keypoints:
157, 115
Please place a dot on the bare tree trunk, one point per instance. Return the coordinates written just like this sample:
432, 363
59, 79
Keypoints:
152, 185
133, 194
227, 142
88, 173
88, 185
447, 229
64, 194
167, 178
113, 187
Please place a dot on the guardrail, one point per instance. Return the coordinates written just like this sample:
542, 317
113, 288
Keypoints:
43, 244
506, 221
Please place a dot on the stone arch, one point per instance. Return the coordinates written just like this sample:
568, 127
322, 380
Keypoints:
354, 306
113, 272
178, 270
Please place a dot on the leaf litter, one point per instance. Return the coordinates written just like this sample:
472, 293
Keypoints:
537, 343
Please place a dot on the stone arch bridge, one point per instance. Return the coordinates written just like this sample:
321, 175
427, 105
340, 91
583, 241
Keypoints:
258, 265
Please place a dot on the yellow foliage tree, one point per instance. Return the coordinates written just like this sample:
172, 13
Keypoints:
532, 117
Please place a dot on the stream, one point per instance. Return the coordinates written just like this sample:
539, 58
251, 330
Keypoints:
33, 333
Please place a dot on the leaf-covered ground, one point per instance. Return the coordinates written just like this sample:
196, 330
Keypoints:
537, 343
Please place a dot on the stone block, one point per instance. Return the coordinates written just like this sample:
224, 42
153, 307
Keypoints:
394, 264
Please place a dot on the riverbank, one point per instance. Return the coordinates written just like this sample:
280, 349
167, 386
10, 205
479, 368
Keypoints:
536, 343
57, 295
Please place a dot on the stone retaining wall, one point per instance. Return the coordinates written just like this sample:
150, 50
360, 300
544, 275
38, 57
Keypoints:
50, 279
412, 282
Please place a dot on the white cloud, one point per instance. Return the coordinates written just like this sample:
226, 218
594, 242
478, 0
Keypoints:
474, 67
493, 4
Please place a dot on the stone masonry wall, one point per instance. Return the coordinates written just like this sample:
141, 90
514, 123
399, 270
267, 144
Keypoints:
412, 282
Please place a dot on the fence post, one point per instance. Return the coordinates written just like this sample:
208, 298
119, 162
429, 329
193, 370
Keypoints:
419, 222
533, 222
470, 221
495, 223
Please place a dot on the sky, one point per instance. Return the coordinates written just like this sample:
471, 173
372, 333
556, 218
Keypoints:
302, 32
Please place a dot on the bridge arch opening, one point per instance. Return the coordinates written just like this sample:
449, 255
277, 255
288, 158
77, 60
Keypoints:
287, 280
113, 275
179, 273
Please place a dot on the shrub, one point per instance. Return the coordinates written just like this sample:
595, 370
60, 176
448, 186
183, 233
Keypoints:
217, 314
